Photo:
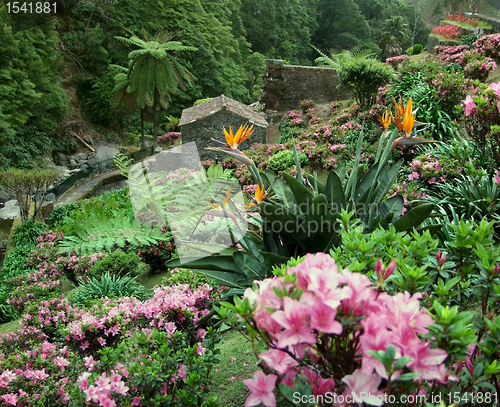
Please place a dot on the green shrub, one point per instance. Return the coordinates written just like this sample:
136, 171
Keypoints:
417, 49
364, 76
109, 285
27, 233
284, 159
186, 276
57, 216
118, 263
285, 131
15, 262
7, 311
409, 51
63, 145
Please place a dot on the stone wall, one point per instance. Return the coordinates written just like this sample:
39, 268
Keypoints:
285, 86
495, 22
202, 130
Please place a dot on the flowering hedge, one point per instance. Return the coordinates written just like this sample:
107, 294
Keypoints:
462, 19
447, 31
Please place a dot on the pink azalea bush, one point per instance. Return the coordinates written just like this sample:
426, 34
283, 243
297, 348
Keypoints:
474, 62
57, 355
481, 111
395, 62
168, 138
338, 333
489, 45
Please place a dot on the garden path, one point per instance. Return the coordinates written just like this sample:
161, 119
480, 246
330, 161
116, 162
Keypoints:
82, 190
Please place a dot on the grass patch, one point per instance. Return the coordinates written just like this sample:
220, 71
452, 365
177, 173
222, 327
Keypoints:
11, 326
237, 363
480, 24
444, 39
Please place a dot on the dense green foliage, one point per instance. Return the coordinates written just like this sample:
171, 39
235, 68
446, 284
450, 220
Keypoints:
110, 286
364, 77
233, 38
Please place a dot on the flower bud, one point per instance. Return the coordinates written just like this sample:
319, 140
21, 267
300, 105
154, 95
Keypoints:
379, 268
468, 365
460, 366
496, 270
391, 268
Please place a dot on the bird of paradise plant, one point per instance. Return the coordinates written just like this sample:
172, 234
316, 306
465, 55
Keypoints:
231, 148
404, 118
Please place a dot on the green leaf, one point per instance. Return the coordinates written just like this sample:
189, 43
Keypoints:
393, 205
297, 163
402, 362
251, 267
317, 185
215, 262
283, 193
334, 191
413, 217
303, 197
224, 278
406, 377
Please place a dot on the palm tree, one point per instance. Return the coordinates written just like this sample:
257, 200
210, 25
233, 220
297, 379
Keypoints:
153, 75
394, 35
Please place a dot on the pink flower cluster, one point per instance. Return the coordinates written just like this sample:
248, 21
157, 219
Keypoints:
295, 118
489, 45
307, 304
169, 137
447, 31
395, 62
169, 309
428, 169
104, 387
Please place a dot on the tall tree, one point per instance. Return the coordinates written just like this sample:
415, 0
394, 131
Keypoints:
394, 35
154, 74
342, 26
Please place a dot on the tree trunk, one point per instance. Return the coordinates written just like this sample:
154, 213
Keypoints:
155, 126
143, 139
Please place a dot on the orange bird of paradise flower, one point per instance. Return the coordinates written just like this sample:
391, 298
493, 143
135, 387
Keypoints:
385, 120
233, 141
259, 196
404, 118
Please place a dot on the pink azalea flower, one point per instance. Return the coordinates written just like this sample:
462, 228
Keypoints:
294, 319
61, 362
469, 105
323, 319
495, 87
83, 381
376, 337
136, 401
261, 390
428, 362
11, 399
364, 387
278, 360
